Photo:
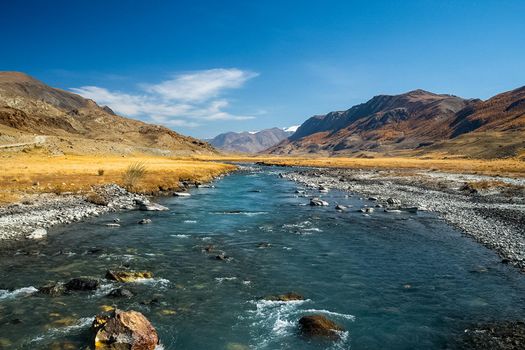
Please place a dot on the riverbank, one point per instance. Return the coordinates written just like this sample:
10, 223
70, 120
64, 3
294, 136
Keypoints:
489, 209
41, 191
218, 252
37, 172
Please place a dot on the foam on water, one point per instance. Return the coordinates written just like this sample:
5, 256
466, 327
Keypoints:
331, 313
278, 320
20, 292
222, 279
190, 221
180, 236
52, 333
313, 229
103, 289
275, 319
247, 213
158, 282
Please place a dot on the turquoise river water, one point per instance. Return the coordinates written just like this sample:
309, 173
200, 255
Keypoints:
393, 281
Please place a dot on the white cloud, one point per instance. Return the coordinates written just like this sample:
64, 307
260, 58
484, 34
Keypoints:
183, 100
201, 85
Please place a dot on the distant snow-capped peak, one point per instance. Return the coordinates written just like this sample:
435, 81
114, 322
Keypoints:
292, 128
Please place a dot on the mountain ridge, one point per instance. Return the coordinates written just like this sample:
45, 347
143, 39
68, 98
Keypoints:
410, 121
249, 142
30, 107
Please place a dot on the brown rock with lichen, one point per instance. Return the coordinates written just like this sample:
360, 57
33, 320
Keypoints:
124, 330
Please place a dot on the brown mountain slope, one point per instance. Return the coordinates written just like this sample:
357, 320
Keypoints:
417, 122
29, 107
493, 128
384, 123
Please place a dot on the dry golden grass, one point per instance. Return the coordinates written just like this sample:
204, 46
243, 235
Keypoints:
38, 173
505, 167
22, 173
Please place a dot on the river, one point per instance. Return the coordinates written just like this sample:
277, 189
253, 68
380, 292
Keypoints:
392, 280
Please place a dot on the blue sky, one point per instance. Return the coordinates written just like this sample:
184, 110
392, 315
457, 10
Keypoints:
205, 67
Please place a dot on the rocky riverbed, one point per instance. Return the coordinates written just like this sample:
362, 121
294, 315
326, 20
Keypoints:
31, 218
489, 209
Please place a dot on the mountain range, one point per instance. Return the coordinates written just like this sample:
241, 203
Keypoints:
250, 142
417, 122
31, 110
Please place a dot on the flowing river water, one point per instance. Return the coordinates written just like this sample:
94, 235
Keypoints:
392, 280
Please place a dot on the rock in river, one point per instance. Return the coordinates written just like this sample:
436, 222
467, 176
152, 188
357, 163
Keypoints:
145, 221
340, 207
126, 330
146, 205
53, 289
39, 233
319, 326
127, 276
393, 201
82, 283
284, 297
120, 293
316, 202
181, 194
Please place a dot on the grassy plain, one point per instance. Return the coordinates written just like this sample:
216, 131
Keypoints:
35, 172
22, 173
512, 167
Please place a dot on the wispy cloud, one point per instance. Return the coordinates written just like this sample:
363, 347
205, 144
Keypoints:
183, 100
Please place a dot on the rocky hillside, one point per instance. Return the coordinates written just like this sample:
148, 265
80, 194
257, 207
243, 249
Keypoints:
249, 142
417, 121
72, 123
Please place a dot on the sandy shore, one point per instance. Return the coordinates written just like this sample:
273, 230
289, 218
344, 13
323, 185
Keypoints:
489, 209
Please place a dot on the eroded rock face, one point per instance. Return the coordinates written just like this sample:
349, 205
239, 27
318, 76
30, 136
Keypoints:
124, 330
319, 326
127, 276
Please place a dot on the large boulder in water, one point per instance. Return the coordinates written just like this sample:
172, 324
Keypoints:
127, 276
124, 330
319, 326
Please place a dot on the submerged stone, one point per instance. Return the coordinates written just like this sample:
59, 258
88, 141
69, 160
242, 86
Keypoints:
120, 293
292, 296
